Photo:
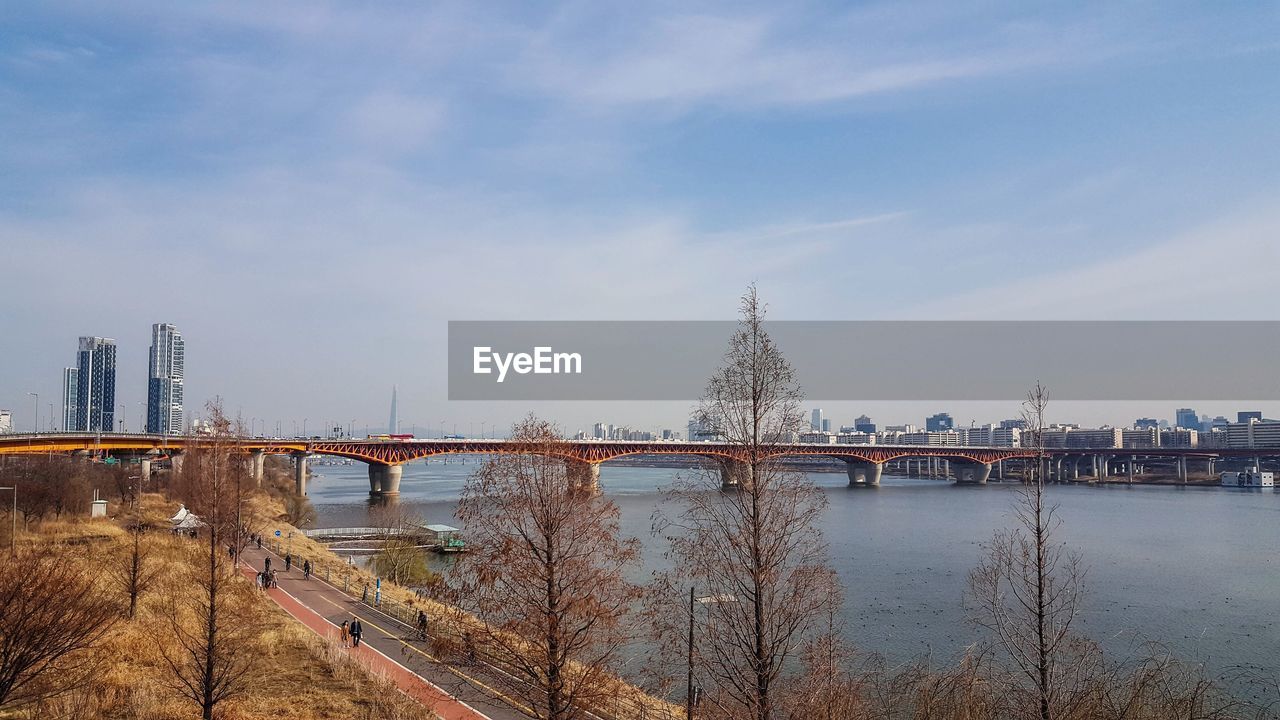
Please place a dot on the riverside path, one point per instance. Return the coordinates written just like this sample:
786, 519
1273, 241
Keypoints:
386, 646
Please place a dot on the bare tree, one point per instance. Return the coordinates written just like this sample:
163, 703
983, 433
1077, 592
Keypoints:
51, 614
1028, 590
133, 570
399, 558
546, 575
756, 551
212, 623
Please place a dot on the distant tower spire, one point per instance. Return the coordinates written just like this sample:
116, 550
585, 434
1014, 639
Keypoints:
394, 425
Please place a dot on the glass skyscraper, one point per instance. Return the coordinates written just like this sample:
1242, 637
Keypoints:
164, 380
70, 379
96, 385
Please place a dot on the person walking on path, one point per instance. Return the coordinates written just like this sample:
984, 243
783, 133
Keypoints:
266, 564
356, 631
422, 625
288, 562
259, 542
273, 579
306, 569
364, 594
346, 634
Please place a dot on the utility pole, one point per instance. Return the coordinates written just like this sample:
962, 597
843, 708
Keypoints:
689, 688
35, 412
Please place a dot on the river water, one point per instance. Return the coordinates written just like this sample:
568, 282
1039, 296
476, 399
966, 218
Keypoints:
1195, 568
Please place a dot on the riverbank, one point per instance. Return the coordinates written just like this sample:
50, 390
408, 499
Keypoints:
296, 675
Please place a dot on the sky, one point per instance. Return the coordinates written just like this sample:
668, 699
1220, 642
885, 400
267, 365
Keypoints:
310, 190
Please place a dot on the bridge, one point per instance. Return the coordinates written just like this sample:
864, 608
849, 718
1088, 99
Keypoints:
386, 458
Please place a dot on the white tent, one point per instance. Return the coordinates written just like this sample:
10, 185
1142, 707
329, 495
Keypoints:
190, 522
180, 515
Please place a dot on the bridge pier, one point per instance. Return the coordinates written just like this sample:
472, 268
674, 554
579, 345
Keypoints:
862, 473
385, 479
733, 473
257, 459
975, 473
300, 473
582, 476
175, 462
145, 465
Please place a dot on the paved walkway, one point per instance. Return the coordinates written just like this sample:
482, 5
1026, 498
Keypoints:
385, 646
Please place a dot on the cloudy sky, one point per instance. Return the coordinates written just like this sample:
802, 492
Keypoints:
311, 190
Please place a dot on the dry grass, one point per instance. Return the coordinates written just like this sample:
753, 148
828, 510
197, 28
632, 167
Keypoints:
300, 677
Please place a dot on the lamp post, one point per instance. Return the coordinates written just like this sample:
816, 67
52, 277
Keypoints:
35, 412
13, 533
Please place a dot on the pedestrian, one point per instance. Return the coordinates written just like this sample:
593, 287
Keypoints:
262, 583
288, 562
422, 625
346, 634
274, 582
266, 565
356, 631
306, 569
259, 542
364, 594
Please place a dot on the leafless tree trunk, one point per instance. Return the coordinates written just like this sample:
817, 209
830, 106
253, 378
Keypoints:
1028, 589
212, 627
755, 552
51, 614
545, 575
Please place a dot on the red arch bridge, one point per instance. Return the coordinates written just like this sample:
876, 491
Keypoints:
386, 458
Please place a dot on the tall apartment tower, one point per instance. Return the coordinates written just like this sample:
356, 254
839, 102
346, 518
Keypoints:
393, 423
70, 379
164, 380
815, 421
96, 385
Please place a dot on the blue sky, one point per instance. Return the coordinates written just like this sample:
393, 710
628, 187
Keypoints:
311, 190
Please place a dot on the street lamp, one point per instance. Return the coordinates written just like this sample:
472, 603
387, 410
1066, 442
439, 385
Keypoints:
35, 411
13, 533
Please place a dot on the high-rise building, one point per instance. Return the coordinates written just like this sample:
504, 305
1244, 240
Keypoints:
70, 380
1245, 417
815, 423
6, 422
1145, 423
941, 422
164, 380
826, 425
393, 422
1186, 418
863, 424
96, 385
598, 432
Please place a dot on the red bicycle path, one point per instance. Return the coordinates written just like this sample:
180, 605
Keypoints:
299, 598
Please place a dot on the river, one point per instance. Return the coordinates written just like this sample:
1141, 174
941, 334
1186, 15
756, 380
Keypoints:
1195, 568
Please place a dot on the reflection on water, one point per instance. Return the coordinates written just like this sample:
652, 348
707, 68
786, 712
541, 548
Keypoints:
1195, 568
